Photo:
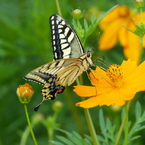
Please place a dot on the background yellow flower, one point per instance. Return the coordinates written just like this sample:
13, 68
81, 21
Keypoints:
113, 30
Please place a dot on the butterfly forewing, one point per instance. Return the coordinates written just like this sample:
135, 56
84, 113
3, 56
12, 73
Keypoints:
65, 41
42, 74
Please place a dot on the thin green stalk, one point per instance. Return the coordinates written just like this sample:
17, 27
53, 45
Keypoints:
141, 48
120, 131
91, 127
122, 125
25, 136
141, 15
50, 131
58, 7
126, 126
29, 124
141, 36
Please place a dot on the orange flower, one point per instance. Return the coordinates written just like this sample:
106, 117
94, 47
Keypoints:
24, 93
112, 26
115, 86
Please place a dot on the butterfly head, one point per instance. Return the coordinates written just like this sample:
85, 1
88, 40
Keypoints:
88, 58
88, 54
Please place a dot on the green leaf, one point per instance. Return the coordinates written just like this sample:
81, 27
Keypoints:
73, 138
122, 113
86, 25
55, 142
88, 137
134, 138
137, 110
93, 18
76, 139
76, 134
108, 124
64, 140
102, 121
137, 126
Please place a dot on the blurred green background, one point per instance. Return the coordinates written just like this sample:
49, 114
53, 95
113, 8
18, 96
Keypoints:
25, 43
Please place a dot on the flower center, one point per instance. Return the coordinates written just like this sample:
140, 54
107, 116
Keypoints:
115, 73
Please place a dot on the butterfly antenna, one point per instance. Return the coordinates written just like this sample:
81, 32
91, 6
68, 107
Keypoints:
101, 63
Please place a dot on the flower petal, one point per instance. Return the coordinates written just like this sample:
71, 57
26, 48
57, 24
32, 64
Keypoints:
85, 91
128, 67
118, 12
108, 98
123, 34
136, 79
111, 25
132, 50
95, 75
110, 34
100, 80
109, 18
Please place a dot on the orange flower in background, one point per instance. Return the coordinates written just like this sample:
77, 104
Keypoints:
115, 86
113, 30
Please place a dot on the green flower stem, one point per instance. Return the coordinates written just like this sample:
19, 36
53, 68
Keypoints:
141, 36
91, 127
141, 48
29, 124
25, 136
141, 15
58, 7
126, 126
50, 130
120, 131
122, 125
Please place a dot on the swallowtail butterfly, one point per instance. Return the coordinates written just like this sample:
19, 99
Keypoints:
70, 60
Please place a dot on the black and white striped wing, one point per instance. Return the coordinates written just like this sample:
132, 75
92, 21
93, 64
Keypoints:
65, 41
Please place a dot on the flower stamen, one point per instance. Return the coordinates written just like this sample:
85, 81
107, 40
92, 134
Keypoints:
115, 73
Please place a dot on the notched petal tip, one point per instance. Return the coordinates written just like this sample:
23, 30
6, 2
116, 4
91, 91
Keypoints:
85, 91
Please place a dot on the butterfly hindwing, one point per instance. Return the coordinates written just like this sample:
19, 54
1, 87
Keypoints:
50, 89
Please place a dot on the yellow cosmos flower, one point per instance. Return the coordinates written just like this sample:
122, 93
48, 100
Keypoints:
115, 86
113, 30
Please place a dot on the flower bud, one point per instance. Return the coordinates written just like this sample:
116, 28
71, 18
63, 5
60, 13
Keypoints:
57, 106
77, 14
139, 3
24, 93
116, 108
37, 118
